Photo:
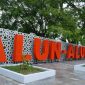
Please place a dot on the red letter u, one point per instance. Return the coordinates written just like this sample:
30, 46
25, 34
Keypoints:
37, 49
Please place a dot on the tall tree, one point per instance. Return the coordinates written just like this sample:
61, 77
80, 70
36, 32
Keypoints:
45, 16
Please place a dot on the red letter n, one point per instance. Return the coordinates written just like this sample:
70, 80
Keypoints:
55, 50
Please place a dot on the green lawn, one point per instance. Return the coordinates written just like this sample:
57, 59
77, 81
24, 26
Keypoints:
83, 65
24, 70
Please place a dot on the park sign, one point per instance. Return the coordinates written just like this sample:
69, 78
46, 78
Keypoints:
42, 50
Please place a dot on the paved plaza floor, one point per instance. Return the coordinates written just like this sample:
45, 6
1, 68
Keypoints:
64, 75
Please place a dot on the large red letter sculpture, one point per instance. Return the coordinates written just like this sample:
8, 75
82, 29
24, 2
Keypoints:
45, 49
82, 53
2, 53
55, 50
18, 48
76, 52
70, 51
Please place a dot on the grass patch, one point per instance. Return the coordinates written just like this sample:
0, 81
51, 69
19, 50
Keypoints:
83, 65
24, 71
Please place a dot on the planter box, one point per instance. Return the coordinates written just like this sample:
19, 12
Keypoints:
79, 68
30, 77
80, 71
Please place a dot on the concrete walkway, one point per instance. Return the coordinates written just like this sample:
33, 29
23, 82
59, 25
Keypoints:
64, 75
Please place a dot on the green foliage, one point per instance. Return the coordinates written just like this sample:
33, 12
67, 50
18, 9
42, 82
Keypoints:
25, 64
25, 71
24, 68
45, 16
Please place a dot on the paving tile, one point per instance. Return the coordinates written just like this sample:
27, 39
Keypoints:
64, 75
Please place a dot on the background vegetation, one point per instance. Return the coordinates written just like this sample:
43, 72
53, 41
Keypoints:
45, 18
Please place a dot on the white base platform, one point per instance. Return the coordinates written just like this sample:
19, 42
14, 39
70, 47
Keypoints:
79, 67
80, 71
30, 77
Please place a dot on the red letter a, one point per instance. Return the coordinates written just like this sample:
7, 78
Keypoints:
2, 53
70, 51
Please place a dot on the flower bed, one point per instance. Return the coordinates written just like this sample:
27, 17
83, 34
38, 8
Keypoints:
41, 73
